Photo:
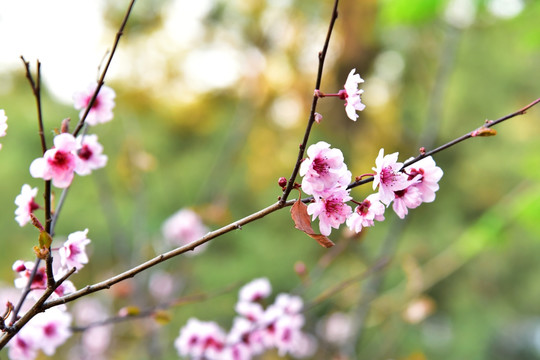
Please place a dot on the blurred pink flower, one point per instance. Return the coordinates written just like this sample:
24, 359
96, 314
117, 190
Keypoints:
332, 211
200, 340
90, 153
323, 170
101, 111
23, 346
52, 329
364, 214
3, 124
25, 204
353, 102
73, 251
57, 163
184, 227
255, 290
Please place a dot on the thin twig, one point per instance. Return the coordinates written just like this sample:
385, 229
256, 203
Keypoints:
488, 124
322, 56
101, 80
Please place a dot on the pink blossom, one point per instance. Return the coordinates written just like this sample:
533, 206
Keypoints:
23, 346
25, 204
184, 227
255, 290
430, 174
90, 153
101, 111
331, 211
52, 329
3, 124
73, 252
323, 170
405, 199
353, 102
388, 177
25, 270
200, 339
364, 214
57, 163
250, 310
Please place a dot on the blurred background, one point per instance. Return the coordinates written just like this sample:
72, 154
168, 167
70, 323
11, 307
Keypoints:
212, 101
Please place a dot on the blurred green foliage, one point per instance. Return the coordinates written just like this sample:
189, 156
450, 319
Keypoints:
473, 252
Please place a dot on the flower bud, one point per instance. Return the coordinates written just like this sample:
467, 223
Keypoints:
282, 182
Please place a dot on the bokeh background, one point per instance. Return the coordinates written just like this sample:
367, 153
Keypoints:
212, 100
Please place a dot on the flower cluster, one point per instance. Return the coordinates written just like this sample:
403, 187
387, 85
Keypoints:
69, 156
50, 329
255, 331
80, 155
325, 176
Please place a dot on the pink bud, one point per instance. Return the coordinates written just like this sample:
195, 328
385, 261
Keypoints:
282, 182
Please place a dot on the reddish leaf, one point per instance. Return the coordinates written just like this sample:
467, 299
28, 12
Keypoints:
303, 222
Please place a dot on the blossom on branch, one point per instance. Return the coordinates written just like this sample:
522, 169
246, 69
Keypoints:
388, 177
408, 198
364, 214
428, 174
89, 151
332, 211
73, 252
57, 163
25, 204
351, 95
101, 110
323, 170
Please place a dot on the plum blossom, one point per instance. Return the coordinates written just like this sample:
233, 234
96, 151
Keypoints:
184, 227
364, 214
255, 290
388, 177
323, 170
52, 329
39, 282
405, 199
332, 211
200, 339
351, 95
73, 252
101, 111
23, 346
57, 163
430, 174
25, 204
3, 124
46, 331
90, 153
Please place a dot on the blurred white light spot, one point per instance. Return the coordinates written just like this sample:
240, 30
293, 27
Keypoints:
460, 13
286, 110
505, 8
376, 92
214, 67
389, 65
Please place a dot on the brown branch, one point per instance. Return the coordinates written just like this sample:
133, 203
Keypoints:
488, 124
322, 56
